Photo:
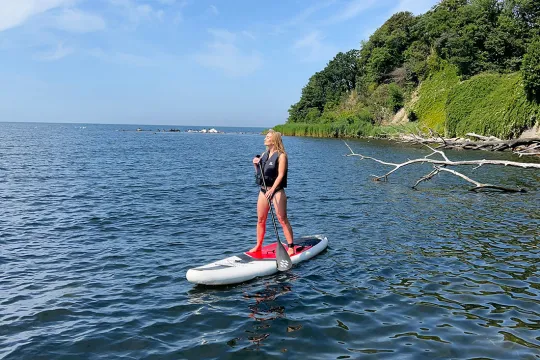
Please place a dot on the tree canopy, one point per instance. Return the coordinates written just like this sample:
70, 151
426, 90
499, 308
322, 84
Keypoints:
472, 36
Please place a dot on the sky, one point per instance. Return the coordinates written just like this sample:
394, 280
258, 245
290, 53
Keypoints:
174, 62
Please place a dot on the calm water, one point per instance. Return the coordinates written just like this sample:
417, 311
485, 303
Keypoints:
98, 227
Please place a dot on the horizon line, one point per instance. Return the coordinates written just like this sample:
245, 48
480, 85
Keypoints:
130, 124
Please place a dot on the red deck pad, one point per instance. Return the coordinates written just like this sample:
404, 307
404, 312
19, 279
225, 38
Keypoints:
269, 251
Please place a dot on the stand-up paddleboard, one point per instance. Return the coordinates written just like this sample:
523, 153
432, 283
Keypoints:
247, 266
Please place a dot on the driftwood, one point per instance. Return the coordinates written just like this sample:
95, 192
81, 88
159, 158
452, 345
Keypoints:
522, 147
481, 137
440, 165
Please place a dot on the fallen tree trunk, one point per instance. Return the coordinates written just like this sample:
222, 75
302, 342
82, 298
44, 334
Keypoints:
440, 165
481, 137
523, 146
493, 145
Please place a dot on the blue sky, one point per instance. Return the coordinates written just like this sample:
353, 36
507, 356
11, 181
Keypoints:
177, 62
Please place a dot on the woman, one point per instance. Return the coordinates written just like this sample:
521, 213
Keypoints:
274, 164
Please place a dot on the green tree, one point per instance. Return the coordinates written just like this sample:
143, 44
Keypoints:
385, 48
340, 74
416, 61
438, 21
531, 69
326, 87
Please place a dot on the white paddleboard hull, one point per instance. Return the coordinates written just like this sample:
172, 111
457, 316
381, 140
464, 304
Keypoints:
240, 268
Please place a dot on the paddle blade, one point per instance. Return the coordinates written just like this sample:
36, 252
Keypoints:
283, 259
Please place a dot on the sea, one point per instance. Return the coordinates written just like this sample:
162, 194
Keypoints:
100, 223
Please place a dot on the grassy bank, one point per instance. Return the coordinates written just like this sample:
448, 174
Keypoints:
490, 104
345, 130
430, 107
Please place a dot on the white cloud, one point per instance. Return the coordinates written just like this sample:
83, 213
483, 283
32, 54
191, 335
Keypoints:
351, 10
312, 47
310, 40
179, 17
58, 53
74, 20
58, 14
137, 13
334, 12
417, 7
223, 35
16, 12
121, 58
303, 16
224, 54
214, 10
145, 11
249, 35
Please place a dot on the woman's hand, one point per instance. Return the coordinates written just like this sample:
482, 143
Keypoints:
269, 193
256, 160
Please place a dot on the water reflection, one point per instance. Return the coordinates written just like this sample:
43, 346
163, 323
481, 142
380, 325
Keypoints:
266, 308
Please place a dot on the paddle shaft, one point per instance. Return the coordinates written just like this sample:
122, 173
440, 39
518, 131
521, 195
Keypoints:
270, 204
281, 255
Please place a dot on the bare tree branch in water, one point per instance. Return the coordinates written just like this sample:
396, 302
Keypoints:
441, 165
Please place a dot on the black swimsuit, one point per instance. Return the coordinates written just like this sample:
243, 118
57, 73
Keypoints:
270, 167
278, 189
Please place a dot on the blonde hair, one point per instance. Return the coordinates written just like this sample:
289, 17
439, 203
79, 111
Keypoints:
276, 140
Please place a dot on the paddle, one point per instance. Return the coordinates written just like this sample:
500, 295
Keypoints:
283, 259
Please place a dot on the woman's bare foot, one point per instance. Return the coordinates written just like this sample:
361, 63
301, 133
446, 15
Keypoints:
256, 249
290, 251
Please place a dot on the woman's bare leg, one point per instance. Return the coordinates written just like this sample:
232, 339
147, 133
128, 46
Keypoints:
280, 205
262, 215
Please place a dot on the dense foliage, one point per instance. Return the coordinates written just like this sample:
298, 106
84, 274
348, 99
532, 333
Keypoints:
531, 70
429, 64
433, 92
491, 104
